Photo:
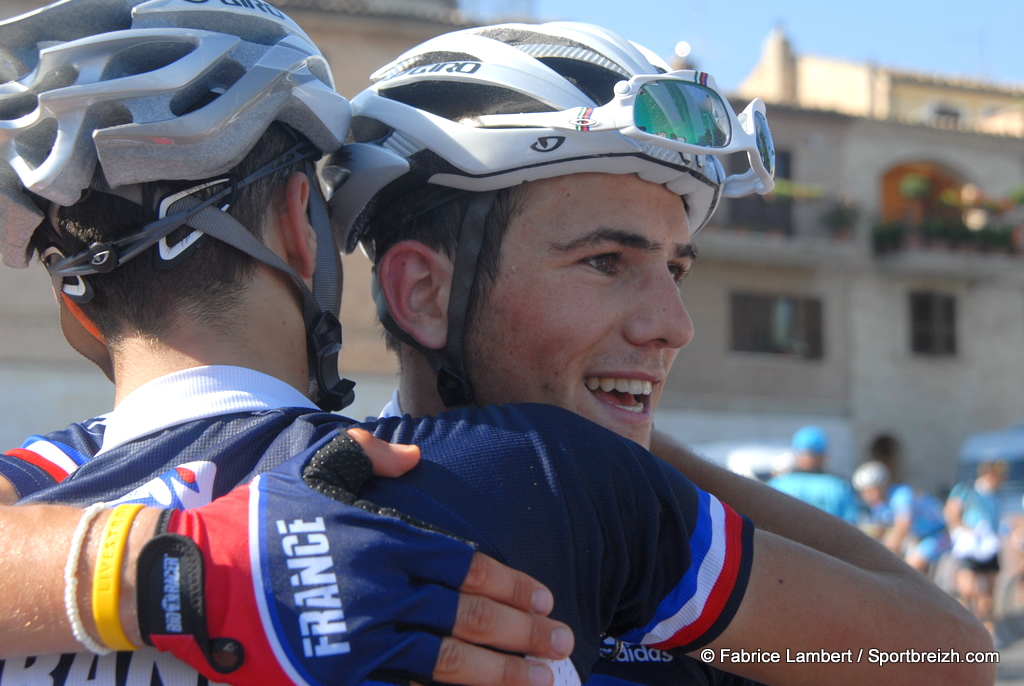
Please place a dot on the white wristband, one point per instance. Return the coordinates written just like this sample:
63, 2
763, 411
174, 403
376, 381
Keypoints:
71, 581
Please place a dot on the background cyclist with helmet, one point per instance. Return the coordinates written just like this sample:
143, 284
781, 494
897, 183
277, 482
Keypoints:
805, 570
808, 481
910, 522
570, 291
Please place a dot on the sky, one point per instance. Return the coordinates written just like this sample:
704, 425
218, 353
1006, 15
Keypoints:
981, 39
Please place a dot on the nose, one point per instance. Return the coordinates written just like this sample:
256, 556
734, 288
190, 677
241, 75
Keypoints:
659, 317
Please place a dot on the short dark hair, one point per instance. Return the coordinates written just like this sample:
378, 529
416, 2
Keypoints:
439, 227
137, 298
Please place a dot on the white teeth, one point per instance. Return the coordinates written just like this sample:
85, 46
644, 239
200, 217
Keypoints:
607, 384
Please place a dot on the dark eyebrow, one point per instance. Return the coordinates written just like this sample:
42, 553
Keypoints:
626, 239
686, 250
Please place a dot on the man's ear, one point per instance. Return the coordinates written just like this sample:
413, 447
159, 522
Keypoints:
415, 281
298, 239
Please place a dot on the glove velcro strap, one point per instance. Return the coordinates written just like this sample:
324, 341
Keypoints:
341, 469
171, 601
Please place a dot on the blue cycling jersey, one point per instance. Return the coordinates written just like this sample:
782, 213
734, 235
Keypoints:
599, 511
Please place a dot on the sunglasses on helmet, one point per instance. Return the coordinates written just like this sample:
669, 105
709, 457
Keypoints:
682, 111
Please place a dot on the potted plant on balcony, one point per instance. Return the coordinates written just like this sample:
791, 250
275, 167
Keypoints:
840, 218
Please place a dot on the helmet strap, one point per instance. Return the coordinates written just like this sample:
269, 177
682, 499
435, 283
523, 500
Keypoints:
323, 330
452, 382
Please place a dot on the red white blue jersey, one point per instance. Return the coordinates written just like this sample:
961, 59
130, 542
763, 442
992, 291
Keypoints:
589, 513
623, 663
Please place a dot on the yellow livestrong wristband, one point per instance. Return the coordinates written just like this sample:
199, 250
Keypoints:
106, 582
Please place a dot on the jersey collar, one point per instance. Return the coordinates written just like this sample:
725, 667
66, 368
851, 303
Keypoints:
193, 394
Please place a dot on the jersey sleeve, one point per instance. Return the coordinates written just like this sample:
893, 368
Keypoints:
39, 463
901, 501
628, 546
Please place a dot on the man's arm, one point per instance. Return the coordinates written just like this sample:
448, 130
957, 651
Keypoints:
497, 606
898, 532
803, 605
830, 587
8, 494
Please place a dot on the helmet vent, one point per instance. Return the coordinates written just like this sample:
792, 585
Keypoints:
517, 38
18, 105
35, 144
202, 93
596, 81
542, 51
457, 101
144, 58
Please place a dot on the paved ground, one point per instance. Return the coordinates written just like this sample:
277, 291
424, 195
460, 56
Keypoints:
1011, 657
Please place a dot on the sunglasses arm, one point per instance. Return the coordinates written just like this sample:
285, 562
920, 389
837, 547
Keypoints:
739, 185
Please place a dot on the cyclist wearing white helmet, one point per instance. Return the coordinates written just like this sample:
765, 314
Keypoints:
910, 521
528, 194
451, 131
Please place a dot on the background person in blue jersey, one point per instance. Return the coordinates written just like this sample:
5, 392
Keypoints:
973, 515
910, 522
809, 482
766, 618
574, 297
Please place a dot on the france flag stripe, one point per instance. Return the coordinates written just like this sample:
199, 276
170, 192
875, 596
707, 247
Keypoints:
62, 456
721, 590
686, 602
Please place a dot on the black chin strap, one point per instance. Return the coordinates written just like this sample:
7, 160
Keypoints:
452, 382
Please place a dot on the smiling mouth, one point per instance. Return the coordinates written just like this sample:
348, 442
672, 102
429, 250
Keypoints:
632, 395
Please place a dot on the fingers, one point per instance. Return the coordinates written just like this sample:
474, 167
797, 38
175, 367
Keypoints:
504, 609
461, 663
388, 459
489, 578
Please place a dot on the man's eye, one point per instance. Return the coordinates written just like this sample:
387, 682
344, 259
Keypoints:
678, 271
606, 264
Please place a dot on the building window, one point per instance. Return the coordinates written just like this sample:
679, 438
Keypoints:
945, 115
932, 324
781, 325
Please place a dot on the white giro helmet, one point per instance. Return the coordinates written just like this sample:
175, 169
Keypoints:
870, 475
424, 122
418, 123
107, 94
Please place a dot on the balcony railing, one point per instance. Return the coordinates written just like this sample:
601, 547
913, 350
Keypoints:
945, 235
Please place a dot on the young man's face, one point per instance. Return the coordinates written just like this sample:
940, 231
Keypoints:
586, 311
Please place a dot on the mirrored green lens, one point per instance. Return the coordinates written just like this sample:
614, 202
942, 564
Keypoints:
765, 144
683, 111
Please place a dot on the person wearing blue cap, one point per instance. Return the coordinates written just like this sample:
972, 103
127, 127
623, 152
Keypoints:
809, 482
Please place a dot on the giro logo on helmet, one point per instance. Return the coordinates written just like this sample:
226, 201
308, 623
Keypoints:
250, 4
447, 67
548, 143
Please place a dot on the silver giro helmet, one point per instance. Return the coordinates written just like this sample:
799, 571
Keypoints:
102, 95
